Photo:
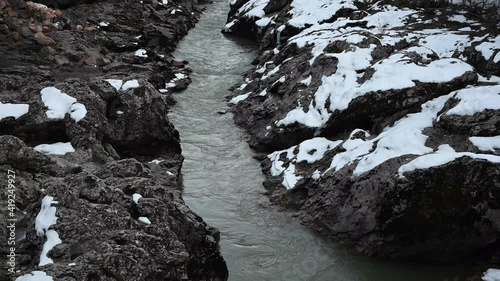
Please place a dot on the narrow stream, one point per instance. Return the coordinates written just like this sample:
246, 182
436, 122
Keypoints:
223, 183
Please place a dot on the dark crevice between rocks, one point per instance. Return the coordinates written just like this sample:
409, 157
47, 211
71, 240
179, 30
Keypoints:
33, 135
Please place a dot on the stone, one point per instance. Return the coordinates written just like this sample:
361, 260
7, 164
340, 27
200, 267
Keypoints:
43, 40
4, 29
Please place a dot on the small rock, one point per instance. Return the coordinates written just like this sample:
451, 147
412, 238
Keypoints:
43, 40
26, 32
47, 51
222, 112
15, 36
4, 29
89, 28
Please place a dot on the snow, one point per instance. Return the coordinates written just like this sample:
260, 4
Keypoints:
476, 99
13, 110
131, 84
486, 143
35, 276
180, 75
444, 155
307, 81
141, 53
490, 275
59, 148
104, 24
116, 83
254, 8
59, 104
313, 11
342, 87
445, 44
136, 197
71, 264
263, 93
263, 22
156, 161
316, 175
44, 220
144, 220
290, 179
239, 98
489, 48
309, 151
313, 150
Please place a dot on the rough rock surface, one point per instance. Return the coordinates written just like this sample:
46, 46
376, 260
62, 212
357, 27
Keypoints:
381, 122
84, 127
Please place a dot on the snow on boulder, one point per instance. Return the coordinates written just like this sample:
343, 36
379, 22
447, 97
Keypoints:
491, 275
44, 220
119, 85
59, 148
59, 104
13, 110
35, 276
486, 143
476, 99
443, 155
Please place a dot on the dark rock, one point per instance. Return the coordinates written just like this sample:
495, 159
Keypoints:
4, 29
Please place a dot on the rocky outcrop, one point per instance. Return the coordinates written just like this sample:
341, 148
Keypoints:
84, 133
378, 124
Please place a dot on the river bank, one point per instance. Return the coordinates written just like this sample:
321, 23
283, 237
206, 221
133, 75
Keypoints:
94, 160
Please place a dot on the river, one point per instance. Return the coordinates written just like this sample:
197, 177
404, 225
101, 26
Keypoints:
223, 183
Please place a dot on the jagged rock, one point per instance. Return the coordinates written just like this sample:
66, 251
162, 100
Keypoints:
351, 159
109, 133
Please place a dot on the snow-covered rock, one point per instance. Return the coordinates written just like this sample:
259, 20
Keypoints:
373, 117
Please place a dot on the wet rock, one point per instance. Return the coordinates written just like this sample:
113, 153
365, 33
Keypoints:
4, 29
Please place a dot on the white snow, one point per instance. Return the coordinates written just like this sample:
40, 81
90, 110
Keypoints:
119, 85
13, 110
263, 93
71, 264
170, 173
486, 143
144, 220
131, 84
35, 276
59, 104
254, 8
314, 11
104, 24
476, 99
156, 161
444, 155
489, 48
58, 148
313, 150
491, 274
309, 151
263, 22
136, 197
46, 218
141, 53
116, 83
307, 81
239, 98
180, 75
290, 179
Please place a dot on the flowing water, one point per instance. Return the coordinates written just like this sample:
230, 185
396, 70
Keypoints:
223, 183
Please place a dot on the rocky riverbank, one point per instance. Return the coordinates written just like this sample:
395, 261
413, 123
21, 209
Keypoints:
94, 162
378, 122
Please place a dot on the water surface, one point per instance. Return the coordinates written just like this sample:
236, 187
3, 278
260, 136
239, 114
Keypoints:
223, 183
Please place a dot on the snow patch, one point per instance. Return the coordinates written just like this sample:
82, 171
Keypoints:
486, 143
59, 104
44, 220
35, 276
444, 155
13, 110
58, 148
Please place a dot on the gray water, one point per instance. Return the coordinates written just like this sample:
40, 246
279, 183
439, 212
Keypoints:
223, 183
